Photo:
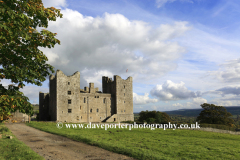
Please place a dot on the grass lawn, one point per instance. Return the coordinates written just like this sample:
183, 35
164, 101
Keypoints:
13, 149
154, 144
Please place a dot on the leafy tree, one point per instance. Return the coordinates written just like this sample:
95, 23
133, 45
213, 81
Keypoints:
20, 59
214, 115
154, 117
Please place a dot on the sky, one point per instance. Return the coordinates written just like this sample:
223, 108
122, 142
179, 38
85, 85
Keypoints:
180, 53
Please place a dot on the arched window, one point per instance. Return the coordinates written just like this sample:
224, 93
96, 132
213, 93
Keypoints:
84, 100
97, 110
91, 110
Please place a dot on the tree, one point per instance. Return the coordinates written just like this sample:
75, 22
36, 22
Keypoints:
214, 115
154, 117
20, 59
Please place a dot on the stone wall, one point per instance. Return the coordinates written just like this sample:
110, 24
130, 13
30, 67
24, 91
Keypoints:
121, 117
68, 94
19, 117
124, 95
215, 130
52, 98
44, 106
95, 108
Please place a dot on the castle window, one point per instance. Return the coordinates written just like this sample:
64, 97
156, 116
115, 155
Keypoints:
100, 117
97, 110
69, 92
104, 100
97, 96
62, 111
124, 101
124, 94
68, 83
69, 101
90, 117
124, 86
69, 110
124, 110
84, 100
91, 110
80, 107
81, 117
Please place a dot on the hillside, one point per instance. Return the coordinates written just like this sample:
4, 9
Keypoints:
234, 110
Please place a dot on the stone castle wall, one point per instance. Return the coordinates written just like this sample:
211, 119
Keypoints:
44, 106
52, 98
68, 94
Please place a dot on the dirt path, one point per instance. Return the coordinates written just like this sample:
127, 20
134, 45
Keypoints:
54, 147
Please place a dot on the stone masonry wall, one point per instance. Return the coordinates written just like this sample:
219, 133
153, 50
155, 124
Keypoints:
68, 93
43, 106
108, 86
52, 98
124, 95
95, 108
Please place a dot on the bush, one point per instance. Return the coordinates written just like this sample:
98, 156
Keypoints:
154, 117
4, 129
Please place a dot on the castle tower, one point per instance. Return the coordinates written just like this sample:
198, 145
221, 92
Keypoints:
64, 97
124, 95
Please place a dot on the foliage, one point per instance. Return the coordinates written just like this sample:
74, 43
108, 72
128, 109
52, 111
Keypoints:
154, 117
214, 115
20, 58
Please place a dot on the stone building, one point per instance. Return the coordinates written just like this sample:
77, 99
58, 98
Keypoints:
66, 102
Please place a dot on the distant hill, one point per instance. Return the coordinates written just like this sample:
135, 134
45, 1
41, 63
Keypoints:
234, 110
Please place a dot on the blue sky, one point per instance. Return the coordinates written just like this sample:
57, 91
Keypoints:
180, 53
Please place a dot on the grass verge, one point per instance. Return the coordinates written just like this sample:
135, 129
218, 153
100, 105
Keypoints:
153, 144
13, 149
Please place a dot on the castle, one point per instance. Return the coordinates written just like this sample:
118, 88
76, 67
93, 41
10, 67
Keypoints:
66, 102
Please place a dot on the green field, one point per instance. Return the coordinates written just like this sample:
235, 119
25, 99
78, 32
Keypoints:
154, 144
13, 149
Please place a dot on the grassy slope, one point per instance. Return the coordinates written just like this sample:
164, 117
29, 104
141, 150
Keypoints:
11, 149
154, 144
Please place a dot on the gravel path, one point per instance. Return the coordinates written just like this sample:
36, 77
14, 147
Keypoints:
54, 147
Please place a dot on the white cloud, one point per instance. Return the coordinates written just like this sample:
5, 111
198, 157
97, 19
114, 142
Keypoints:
154, 108
199, 100
229, 72
114, 43
160, 3
177, 105
138, 99
173, 91
54, 3
196, 102
222, 103
229, 90
138, 107
32, 92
